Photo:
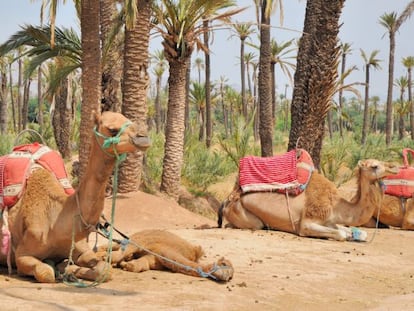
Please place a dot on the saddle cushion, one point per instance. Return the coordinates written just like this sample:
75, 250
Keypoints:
16, 167
401, 184
288, 172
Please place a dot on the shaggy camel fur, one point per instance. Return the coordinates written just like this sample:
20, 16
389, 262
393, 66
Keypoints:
319, 211
44, 220
160, 250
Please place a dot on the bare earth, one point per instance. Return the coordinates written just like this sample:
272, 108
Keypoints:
273, 270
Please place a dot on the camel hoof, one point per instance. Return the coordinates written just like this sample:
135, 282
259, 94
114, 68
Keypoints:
224, 270
44, 274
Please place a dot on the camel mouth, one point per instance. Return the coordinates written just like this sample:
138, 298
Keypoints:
141, 142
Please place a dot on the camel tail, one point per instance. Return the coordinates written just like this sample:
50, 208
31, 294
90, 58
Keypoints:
220, 214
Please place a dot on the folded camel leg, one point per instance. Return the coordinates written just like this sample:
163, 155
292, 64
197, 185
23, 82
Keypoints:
29, 265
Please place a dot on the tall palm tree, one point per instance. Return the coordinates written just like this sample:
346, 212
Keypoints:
243, 31
135, 84
374, 119
111, 57
402, 107
345, 51
180, 29
316, 76
265, 80
199, 66
249, 59
374, 62
91, 74
280, 56
3, 95
393, 23
408, 63
160, 66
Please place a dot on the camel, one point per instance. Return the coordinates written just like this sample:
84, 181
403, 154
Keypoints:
164, 250
393, 212
320, 211
45, 222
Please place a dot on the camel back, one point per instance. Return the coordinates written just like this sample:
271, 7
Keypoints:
289, 172
16, 167
402, 184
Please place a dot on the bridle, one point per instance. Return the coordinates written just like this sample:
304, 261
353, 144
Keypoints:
111, 141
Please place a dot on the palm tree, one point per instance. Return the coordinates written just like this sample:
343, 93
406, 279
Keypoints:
393, 24
159, 69
135, 84
3, 95
374, 62
199, 66
111, 57
243, 31
280, 56
402, 107
374, 120
66, 56
249, 59
221, 85
345, 51
180, 29
316, 76
197, 97
265, 87
91, 73
408, 62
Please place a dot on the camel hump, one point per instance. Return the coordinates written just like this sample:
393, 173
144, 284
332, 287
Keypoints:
16, 167
287, 172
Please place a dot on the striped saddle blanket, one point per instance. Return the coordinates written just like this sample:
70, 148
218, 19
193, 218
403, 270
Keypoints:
402, 184
289, 172
16, 167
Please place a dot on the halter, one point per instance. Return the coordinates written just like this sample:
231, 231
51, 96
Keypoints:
112, 140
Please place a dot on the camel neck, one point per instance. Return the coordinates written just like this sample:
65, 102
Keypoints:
91, 190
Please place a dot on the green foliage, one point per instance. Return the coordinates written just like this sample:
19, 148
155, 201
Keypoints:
239, 144
6, 144
203, 167
154, 157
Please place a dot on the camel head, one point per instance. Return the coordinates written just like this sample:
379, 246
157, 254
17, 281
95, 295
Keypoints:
374, 170
118, 135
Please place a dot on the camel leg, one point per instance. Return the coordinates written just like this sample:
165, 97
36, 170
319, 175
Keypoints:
408, 219
144, 263
312, 229
239, 217
29, 265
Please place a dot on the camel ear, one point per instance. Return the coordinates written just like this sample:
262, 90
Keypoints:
361, 163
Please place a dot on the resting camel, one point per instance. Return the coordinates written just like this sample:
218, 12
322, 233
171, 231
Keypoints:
161, 250
393, 212
44, 220
319, 211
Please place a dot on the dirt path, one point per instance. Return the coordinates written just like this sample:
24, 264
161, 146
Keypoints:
273, 271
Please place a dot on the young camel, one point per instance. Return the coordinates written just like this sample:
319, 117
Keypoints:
320, 211
161, 250
45, 221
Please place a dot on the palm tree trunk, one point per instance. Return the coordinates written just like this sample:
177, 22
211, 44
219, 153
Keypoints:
3, 102
365, 122
410, 102
243, 80
111, 71
207, 86
265, 86
174, 132
40, 100
91, 83
315, 76
389, 114
135, 85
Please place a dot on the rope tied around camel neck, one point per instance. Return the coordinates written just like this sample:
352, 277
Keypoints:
72, 280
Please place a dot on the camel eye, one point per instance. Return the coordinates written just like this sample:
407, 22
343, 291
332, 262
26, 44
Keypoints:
113, 132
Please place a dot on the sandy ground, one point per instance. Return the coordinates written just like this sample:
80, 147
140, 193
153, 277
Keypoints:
273, 271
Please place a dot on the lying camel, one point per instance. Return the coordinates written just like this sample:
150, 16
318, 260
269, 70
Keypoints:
160, 250
46, 221
319, 211
393, 212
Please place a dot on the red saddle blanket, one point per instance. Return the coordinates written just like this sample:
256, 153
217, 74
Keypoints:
401, 184
288, 172
16, 167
